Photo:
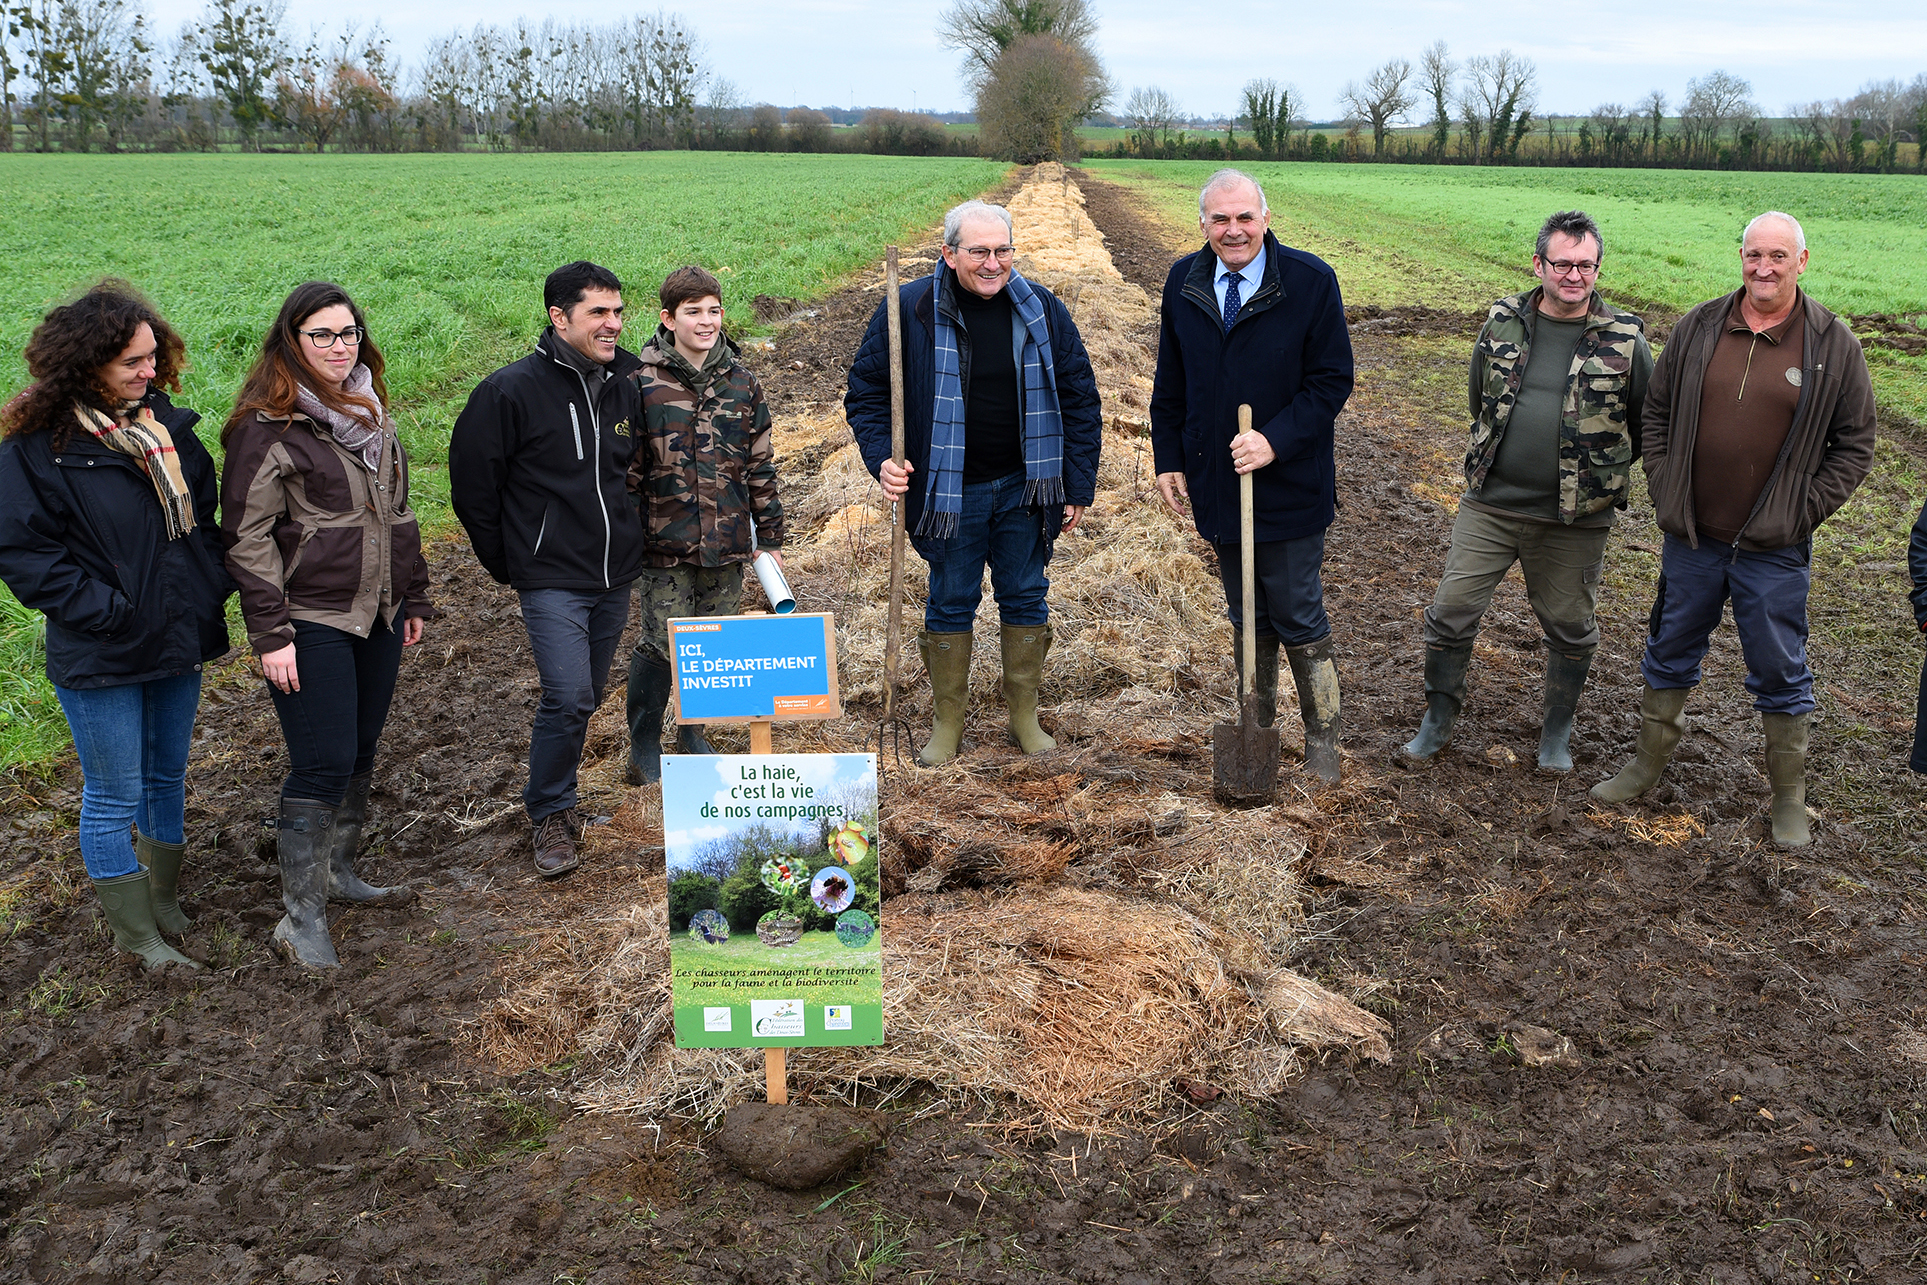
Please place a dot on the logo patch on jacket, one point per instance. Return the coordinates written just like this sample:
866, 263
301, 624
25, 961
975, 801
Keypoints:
621, 429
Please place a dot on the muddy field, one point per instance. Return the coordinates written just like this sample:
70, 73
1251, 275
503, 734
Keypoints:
1630, 1042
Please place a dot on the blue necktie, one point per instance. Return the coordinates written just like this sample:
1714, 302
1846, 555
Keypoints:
1231, 301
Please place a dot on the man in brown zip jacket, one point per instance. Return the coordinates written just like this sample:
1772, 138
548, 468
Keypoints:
1758, 424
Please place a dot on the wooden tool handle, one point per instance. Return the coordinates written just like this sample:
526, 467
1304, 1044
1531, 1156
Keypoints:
1249, 575
893, 634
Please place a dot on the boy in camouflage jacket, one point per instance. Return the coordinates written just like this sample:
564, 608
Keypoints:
704, 477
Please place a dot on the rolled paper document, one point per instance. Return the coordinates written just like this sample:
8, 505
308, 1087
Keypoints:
775, 586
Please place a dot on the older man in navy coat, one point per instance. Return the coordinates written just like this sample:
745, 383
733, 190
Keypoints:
1248, 321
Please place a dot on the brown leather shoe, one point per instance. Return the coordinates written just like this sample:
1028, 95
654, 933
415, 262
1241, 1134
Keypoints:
555, 846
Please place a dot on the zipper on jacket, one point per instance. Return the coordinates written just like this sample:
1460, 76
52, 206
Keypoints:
595, 479
540, 532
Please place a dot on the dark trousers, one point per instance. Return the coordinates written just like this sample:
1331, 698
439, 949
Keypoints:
997, 530
574, 635
332, 724
1769, 596
1919, 761
1290, 591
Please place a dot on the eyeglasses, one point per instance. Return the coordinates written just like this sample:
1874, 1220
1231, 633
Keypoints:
1566, 267
981, 253
326, 339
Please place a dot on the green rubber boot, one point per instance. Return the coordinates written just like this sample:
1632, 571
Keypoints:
163, 864
1444, 697
1786, 768
1024, 648
946, 657
127, 902
1316, 675
1662, 721
1565, 680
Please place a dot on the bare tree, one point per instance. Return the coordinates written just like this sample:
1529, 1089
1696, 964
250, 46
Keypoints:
241, 45
1652, 111
1029, 106
1385, 96
809, 129
1611, 125
1883, 109
1151, 113
1500, 92
1436, 72
984, 29
1269, 108
1715, 103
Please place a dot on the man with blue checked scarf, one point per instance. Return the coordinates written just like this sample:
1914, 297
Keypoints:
1002, 431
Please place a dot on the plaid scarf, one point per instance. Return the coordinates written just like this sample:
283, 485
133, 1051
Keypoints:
1043, 420
148, 441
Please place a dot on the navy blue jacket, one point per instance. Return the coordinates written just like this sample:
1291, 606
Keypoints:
1288, 356
867, 404
82, 539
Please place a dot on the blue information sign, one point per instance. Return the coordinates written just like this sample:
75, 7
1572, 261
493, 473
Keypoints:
739, 669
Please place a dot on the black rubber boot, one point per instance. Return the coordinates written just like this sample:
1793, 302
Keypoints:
1266, 681
126, 901
343, 883
1444, 697
690, 740
306, 836
1565, 680
649, 681
1316, 675
162, 861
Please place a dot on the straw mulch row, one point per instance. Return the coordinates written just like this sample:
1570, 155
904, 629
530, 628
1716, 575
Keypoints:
1078, 937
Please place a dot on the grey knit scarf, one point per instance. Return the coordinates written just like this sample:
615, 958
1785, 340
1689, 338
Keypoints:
359, 434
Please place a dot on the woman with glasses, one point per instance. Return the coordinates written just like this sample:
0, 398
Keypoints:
327, 555
107, 527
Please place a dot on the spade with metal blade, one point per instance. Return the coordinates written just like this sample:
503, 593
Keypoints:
1244, 755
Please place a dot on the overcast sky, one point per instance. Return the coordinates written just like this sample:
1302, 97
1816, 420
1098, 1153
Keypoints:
885, 53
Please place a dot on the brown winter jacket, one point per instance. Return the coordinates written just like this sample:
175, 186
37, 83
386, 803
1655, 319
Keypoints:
312, 535
1827, 451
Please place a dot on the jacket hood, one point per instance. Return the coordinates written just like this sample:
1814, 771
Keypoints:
661, 352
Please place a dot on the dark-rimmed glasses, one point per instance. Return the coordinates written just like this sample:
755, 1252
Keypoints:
326, 339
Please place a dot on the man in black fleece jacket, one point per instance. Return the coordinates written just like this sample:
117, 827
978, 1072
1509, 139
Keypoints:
538, 464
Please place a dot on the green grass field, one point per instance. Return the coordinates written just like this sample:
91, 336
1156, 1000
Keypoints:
446, 254
1452, 237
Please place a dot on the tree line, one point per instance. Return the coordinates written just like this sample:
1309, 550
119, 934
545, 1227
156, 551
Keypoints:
1484, 111
84, 75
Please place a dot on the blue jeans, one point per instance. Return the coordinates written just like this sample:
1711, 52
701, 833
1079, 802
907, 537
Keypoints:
333, 723
132, 741
1290, 590
573, 633
997, 528
1769, 595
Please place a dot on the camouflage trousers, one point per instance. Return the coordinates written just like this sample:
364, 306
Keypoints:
666, 593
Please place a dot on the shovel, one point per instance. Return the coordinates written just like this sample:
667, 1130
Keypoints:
1244, 756
892, 730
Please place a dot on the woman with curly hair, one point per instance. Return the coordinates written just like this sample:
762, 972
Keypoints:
328, 557
107, 526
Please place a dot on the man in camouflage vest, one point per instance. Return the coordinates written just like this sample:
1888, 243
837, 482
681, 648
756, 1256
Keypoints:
704, 476
1557, 378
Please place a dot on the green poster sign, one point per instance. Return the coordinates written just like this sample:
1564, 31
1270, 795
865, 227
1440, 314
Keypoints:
775, 908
